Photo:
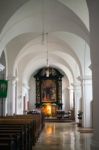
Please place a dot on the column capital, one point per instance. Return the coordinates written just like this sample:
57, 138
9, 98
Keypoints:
87, 77
70, 87
12, 78
76, 86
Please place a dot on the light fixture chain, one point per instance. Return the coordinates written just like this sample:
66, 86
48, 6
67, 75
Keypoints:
43, 20
47, 49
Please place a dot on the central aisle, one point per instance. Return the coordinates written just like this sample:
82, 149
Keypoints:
62, 136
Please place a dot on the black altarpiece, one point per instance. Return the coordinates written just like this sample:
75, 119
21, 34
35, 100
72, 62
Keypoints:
48, 87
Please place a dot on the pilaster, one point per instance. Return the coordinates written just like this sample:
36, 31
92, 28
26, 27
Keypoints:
77, 97
11, 95
87, 101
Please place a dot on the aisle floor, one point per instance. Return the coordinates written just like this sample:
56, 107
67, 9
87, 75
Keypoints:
62, 136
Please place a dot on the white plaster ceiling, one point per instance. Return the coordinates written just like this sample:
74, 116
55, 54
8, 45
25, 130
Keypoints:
80, 8
67, 25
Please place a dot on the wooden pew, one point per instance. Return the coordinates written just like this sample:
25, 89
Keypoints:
29, 127
32, 125
11, 131
39, 122
15, 127
11, 136
6, 145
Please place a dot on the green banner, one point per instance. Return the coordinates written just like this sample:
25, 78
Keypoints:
3, 88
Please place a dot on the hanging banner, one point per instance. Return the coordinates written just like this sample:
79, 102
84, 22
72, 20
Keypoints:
3, 88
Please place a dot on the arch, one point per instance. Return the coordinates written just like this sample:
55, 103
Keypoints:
16, 22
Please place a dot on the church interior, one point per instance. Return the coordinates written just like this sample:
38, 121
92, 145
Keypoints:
49, 74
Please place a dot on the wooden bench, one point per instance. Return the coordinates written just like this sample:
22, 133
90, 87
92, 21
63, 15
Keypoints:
12, 136
27, 127
6, 145
24, 133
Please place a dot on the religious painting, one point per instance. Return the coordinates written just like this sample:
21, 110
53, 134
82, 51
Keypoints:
48, 90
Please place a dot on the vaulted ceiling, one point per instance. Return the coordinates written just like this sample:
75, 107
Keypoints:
22, 23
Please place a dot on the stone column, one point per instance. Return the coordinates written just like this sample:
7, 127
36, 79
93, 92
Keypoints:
15, 86
11, 95
86, 101
94, 46
71, 97
20, 97
77, 95
66, 99
26, 95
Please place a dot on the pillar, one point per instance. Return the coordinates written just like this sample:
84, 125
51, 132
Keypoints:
11, 95
25, 96
77, 95
20, 103
86, 101
71, 98
66, 100
94, 47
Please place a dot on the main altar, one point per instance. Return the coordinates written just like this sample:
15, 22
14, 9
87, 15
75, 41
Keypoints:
49, 91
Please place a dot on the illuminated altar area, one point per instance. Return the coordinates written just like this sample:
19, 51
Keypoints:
49, 110
49, 91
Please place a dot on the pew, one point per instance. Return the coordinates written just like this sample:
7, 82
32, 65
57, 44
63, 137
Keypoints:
24, 133
6, 145
23, 129
13, 137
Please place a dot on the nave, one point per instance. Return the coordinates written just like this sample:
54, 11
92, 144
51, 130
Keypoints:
46, 35
62, 136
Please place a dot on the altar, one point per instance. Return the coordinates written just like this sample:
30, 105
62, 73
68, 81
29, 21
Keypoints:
49, 91
49, 110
